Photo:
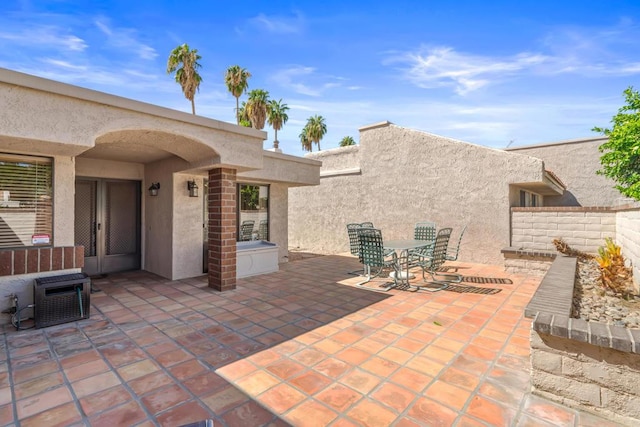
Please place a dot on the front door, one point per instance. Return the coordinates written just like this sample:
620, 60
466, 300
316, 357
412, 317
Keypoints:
107, 224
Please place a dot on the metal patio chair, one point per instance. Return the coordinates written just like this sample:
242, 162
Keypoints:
431, 264
453, 252
246, 230
354, 244
373, 256
263, 230
425, 230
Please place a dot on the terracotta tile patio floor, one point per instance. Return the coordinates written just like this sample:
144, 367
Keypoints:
299, 347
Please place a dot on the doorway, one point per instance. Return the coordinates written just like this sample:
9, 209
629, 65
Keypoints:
107, 224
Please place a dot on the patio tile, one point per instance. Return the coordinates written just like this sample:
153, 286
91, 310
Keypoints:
428, 412
43, 401
413, 380
394, 397
310, 382
124, 415
285, 368
460, 378
36, 385
371, 414
63, 415
339, 397
257, 383
450, 395
137, 369
6, 415
331, 367
78, 372
249, 414
224, 399
548, 411
31, 372
95, 384
310, 413
360, 381
490, 412
105, 399
281, 398
164, 398
150, 382
186, 413
172, 358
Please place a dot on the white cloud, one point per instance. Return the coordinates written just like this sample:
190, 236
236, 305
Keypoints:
278, 24
443, 66
305, 80
37, 36
126, 38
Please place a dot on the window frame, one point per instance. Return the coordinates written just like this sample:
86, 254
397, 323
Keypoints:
239, 210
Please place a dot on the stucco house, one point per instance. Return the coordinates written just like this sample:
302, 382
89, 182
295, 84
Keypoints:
99, 183
396, 177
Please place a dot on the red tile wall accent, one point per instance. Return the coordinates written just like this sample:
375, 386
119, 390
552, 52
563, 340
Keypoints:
222, 229
35, 260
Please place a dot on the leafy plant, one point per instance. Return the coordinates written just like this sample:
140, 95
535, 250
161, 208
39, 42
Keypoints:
183, 61
237, 80
621, 158
613, 272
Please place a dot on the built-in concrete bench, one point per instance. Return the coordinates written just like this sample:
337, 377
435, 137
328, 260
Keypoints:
588, 365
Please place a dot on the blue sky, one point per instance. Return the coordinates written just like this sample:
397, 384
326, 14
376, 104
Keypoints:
489, 73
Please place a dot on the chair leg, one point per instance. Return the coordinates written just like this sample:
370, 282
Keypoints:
432, 285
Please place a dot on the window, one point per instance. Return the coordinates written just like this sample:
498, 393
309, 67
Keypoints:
26, 208
528, 199
253, 212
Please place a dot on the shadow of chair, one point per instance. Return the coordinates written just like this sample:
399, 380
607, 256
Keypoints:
372, 255
431, 264
246, 229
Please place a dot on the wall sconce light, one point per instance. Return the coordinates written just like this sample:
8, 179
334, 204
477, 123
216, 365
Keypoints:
153, 190
193, 188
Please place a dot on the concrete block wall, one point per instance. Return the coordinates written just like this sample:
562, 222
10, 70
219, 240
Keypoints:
600, 380
581, 228
628, 237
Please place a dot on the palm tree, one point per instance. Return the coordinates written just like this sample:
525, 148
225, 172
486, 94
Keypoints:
257, 107
305, 141
236, 79
243, 116
316, 129
187, 75
277, 116
347, 141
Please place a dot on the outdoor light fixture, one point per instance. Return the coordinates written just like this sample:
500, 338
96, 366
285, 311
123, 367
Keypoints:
193, 188
153, 190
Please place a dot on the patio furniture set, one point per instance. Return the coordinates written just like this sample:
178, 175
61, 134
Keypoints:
428, 250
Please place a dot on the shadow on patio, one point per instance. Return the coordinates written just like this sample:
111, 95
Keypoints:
301, 347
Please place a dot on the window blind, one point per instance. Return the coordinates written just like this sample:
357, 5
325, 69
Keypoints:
26, 205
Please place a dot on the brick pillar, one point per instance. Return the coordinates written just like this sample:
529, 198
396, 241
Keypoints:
222, 229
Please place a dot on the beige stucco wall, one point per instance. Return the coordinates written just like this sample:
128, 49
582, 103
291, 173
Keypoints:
63, 201
576, 163
100, 168
407, 176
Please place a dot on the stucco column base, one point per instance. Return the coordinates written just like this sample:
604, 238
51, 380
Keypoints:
222, 229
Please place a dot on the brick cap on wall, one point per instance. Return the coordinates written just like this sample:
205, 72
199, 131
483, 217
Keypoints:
514, 251
550, 308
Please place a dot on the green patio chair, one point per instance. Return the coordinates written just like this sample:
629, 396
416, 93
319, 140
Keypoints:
425, 230
354, 244
452, 252
372, 255
431, 264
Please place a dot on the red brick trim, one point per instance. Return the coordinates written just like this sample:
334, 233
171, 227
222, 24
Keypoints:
14, 262
222, 229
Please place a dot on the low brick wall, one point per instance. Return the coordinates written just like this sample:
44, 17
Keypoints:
517, 261
587, 365
583, 228
38, 260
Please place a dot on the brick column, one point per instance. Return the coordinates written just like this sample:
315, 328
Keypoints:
222, 229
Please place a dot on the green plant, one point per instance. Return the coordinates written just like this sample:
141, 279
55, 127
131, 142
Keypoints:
184, 62
347, 141
613, 272
621, 158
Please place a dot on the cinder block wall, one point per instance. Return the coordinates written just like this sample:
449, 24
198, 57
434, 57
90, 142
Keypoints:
582, 228
628, 237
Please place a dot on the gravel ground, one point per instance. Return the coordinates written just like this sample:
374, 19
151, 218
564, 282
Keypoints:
592, 302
